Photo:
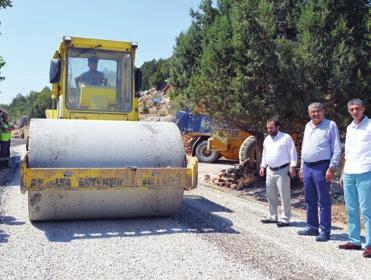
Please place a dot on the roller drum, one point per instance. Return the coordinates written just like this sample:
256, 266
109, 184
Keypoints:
104, 204
104, 144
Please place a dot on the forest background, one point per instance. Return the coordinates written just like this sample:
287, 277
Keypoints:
244, 61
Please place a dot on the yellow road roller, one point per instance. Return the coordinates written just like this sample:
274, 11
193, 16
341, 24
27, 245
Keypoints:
91, 157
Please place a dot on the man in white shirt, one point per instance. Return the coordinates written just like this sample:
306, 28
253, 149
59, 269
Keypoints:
279, 159
357, 177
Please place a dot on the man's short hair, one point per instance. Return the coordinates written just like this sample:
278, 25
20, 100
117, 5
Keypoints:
93, 59
355, 101
274, 120
316, 105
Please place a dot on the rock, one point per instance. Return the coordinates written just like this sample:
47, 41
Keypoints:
238, 177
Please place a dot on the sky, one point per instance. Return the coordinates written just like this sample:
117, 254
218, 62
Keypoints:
31, 32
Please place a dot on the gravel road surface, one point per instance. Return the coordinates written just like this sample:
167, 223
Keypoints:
216, 235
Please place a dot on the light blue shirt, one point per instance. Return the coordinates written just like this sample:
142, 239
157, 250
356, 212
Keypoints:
321, 142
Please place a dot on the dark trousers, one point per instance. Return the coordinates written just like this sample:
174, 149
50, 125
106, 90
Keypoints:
317, 191
4, 153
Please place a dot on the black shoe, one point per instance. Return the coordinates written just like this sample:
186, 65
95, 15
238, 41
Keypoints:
267, 221
309, 232
323, 237
350, 246
283, 224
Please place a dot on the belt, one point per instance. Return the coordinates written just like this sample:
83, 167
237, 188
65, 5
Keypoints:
279, 167
316, 162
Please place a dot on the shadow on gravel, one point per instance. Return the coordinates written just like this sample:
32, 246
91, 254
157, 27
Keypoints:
225, 161
304, 225
3, 237
298, 224
8, 220
7, 174
340, 237
198, 213
196, 216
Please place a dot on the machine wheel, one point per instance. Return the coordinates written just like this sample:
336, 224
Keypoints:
249, 149
204, 155
192, 142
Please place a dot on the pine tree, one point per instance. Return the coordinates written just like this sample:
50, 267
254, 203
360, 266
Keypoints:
247, 60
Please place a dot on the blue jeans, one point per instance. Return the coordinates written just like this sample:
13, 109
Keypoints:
357, 194
317, 191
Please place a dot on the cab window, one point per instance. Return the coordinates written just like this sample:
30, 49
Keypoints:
99, 80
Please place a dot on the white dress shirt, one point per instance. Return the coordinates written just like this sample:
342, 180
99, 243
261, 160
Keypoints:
278, 151
358, 147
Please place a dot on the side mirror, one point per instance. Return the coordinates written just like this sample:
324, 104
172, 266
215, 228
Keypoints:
138, 79
55, 71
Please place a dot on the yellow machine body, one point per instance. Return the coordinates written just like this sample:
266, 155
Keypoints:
228, 142
59, 191
75, 179
94, 97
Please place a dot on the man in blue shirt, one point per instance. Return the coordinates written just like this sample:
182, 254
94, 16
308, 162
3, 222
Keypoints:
320, 154
93, 76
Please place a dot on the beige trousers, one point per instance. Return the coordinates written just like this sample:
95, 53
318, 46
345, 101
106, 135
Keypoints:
278, 183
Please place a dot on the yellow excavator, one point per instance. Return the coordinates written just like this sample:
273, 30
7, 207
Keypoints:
91, 157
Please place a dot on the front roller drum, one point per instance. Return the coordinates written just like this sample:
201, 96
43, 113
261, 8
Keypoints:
53, 205
144, 162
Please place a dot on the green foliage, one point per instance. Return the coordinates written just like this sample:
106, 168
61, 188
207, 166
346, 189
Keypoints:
247, 60
5, 3
148, 68
33, 105
154, 73
2, 63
